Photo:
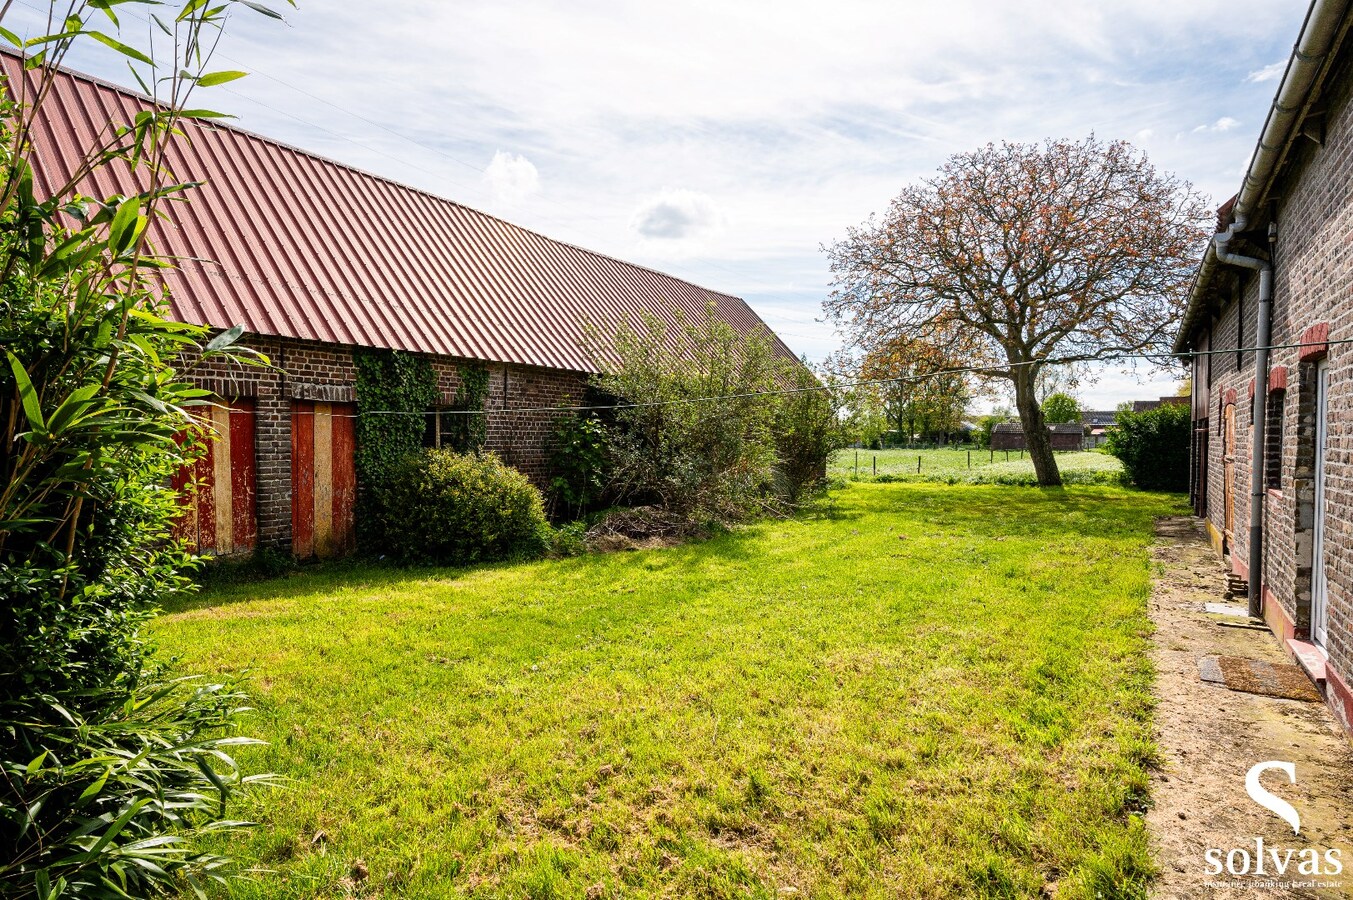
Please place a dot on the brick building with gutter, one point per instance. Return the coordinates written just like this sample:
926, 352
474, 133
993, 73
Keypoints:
317, 260
1294, 216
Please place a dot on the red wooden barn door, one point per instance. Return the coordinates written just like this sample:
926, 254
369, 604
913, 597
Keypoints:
219, 493
323, 480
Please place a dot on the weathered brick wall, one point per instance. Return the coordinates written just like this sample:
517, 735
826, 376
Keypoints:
1313, 271
1230, 378
308, 370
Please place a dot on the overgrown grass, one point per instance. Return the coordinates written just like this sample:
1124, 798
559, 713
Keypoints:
935, 692
970, 467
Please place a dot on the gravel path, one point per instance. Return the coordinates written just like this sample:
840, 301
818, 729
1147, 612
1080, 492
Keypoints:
1210, 737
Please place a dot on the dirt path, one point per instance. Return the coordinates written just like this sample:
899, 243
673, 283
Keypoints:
1210, 737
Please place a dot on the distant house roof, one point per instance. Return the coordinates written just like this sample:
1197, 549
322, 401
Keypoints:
1144, 405
1099, 417
292, 244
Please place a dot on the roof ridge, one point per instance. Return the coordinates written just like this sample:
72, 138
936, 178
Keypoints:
276, 142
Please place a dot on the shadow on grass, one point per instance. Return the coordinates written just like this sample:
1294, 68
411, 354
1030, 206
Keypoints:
1009, 511
965, 510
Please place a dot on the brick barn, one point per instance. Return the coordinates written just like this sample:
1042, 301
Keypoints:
318, 260
1010, 436
1272, 402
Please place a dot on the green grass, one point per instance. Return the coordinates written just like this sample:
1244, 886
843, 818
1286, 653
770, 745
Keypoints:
952, 466
935, 692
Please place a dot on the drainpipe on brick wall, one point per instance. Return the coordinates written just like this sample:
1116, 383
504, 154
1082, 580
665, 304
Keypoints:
1265, 269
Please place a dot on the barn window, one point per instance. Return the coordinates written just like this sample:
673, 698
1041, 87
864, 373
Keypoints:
436, 428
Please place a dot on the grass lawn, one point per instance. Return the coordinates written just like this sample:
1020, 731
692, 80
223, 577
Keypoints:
977, 467
938, 691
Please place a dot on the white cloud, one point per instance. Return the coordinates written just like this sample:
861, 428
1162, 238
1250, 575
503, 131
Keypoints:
613, 99
1225, 123
675, 215
1267, 73
511, 177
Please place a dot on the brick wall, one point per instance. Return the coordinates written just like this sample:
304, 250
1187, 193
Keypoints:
308, 370
1313, 281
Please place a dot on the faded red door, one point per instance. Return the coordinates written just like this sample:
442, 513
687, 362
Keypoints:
219, 493
323, 480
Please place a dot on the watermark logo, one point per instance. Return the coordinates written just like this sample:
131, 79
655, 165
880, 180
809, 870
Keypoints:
1264, 866
1270, 801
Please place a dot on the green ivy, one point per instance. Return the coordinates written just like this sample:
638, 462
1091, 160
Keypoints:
467, 433
389, 382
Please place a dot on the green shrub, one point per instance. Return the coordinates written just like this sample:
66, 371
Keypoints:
106, 804
697, 437
1154, 446
981, 438
580, 463
705, 431
808, 431
441, 507
107, 772
569, 539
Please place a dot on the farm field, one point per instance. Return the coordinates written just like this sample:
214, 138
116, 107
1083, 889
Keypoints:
931, 691
953, 466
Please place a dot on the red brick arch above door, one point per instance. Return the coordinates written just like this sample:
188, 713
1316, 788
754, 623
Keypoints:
1314, 343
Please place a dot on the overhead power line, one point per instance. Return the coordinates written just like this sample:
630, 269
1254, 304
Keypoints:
836, 386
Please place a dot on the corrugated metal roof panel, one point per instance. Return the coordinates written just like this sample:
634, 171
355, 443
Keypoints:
292, 244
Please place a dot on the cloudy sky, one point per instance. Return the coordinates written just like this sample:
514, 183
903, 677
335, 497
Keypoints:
726, 142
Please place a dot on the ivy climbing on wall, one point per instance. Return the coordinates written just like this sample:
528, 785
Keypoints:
389, 382
467, 430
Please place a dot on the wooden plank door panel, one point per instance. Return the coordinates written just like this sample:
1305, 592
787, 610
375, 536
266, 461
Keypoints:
219, 492
243, 479
303, 479
324, 484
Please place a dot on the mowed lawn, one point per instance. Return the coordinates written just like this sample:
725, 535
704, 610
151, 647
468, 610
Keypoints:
938, 691
976, 466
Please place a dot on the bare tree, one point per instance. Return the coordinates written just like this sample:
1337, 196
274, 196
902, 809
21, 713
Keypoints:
1037, 255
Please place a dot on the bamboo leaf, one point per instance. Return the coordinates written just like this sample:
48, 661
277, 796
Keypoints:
215, 78
120, 47
189, 8
224, 339
123, 230
260, 8
203, 114
32, 407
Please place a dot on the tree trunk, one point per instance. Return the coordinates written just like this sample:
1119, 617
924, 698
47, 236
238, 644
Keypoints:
1036, 436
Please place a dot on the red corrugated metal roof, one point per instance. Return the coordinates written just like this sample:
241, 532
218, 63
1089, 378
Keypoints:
292, 244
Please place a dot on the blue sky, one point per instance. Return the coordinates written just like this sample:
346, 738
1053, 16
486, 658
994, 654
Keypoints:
726, 142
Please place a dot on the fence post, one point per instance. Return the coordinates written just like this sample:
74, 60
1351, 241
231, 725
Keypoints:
918, 465
876, 467
857, 463
969, 459
1007, 456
